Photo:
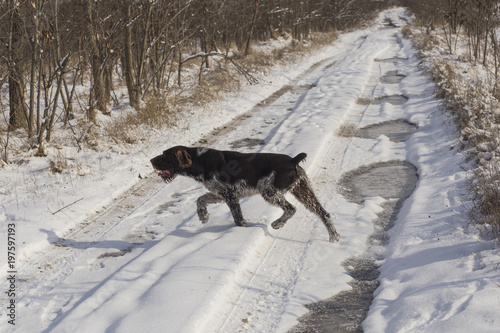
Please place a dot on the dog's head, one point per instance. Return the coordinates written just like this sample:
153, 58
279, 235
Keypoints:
172, 162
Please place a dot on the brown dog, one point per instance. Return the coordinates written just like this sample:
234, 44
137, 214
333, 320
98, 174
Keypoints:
230, 176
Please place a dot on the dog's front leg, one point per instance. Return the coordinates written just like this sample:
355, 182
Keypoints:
202, 202
234, 206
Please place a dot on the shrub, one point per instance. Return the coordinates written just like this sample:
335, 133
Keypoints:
59, 163
474, 109
406, 31
484, 187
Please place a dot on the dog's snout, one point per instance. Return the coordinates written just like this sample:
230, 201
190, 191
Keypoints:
154, 161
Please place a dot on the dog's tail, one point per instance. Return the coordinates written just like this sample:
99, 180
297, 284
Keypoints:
299, 158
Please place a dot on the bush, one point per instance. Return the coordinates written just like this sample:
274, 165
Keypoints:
484, 211
59, 163
470, 99
406, 31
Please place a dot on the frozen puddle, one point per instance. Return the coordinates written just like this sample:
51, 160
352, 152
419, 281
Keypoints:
390, 60
392, 77
396, 130
389, 180
344, 312
392, 99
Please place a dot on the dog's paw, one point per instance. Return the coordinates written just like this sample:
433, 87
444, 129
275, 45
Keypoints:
241, 223
204, 218
334, 237
203, 215
278, 224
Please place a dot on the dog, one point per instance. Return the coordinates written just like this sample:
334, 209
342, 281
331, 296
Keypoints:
230, 176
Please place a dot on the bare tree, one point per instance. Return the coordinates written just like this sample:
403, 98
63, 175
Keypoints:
15, 64
252, 26
100, 30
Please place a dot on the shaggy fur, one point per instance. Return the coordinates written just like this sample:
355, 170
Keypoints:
230, 176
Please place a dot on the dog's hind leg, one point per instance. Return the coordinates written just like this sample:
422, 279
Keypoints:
202, 202
304, 193
277, 198
288, 210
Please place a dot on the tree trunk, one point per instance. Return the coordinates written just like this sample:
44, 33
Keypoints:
98, 82
16, 100
18, 109
270, 26
144, 50
34, 56
250, 35
128, 64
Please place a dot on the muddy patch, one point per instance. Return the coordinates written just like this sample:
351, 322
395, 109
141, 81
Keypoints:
345, 312
397, 130
247, 143
392, 77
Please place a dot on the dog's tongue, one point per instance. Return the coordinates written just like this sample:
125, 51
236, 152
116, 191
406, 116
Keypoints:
164, 173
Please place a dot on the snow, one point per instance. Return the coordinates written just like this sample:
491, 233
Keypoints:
100, 249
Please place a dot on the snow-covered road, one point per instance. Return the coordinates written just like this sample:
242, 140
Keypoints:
146, 264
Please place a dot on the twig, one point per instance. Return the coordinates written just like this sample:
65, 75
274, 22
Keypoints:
74, 202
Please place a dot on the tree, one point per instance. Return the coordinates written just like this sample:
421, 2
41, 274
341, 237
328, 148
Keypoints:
99, 33
15, 64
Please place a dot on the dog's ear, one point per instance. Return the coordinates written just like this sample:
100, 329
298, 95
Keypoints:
184, 158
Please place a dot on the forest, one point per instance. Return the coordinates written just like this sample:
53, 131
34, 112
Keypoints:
50, 48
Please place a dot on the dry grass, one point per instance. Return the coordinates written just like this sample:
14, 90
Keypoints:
158, 110
123, 130
406, 31
221, 77
295, 48
424, 42
484, 210
59, 163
